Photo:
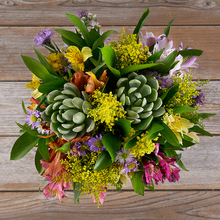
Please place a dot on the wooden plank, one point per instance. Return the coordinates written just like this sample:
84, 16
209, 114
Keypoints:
181, 205
117, 12
201, 160
13, 42
12, 94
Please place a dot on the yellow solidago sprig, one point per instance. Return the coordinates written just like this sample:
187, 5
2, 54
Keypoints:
180, 126
106, 109
56, 61
77, 58
143, 146
81, 170
129, 52
34, 84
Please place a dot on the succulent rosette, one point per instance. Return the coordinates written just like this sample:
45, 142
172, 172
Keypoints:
105, 112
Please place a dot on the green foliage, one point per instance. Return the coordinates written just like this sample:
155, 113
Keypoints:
137, 183
103, 161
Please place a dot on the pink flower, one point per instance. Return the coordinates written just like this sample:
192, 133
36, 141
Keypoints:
101, 196
50, 193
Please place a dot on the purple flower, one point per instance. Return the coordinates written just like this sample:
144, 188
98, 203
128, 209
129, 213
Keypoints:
43, 37
79, 149
95, 143
130, 167
165, 81
200, 99
33, 118
124, 156
83, 14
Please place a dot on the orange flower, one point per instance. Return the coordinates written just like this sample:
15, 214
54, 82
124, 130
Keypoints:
79, 79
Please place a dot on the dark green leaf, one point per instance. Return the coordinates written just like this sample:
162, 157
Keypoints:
119, 185
112, 143
156, 56
45, 63
168, 146
124, 126
170, 93
183, 109
190, 53
165, 64
37, 68
102, 38
71, 38
98, 68
43, 149
156, 127
181, 165
28, 129
82, 27
129, 69
141, 23
186, 143
205, 115
103, 161
200, 131
167, 29
144, 124
137, 183
23, 145
50, 86
38, 165
132, 141
77, 191
23, 107
43, 98
170, 153
65, 148
151, 187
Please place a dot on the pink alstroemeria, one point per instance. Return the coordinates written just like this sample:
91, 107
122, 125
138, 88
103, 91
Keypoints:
50, 193
101, 196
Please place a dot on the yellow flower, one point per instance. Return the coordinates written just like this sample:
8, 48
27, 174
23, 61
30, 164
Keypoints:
180, 126
55, 60
77, 57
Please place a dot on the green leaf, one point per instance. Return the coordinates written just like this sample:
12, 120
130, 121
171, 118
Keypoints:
65, 148
76, 187
23, 145
112, 143
119, 185
169, 94
137, 183
82, 27
109, 57
190, 52
102, 38
168, 146
168, 134
28, 129
167, 29
37, 68
181, 165
103, 161
165, 64
71, 38
205, 115
141, 23
144, 124
23, 107
43, 98
45, 63
183, 109
200, 131
124, 126
132, 141
50, 86
186, 143
95, 70
132, 68
156, 127
43, 149
151, 187
156, 56
170, 153
38, 165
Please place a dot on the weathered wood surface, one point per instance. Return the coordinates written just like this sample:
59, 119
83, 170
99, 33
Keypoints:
197, 24
124, 205
112, 12
13, 42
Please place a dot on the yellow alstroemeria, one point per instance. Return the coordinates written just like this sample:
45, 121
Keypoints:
77, 57
180, 126
34, 84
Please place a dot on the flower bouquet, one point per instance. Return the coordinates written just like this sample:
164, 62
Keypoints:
104, 112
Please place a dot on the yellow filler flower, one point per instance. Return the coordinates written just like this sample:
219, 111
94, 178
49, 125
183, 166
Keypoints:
34, 84
77, 57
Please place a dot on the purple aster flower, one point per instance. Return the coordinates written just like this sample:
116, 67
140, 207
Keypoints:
165, 82
83, 14
200, 99
124, 156
43, 37
130, 167
79, 149
33, 118
95, 143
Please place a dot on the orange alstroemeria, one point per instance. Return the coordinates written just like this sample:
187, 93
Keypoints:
34, 102
79, 79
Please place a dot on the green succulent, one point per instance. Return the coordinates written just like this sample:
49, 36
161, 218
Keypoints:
139, 97
67, 111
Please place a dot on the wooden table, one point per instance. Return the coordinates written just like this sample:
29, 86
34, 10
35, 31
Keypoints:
196, 196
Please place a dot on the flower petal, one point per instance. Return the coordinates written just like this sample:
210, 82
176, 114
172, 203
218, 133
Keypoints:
86, 53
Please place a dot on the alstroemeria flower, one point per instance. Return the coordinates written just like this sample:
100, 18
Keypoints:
79, 79
101, 196
77, 58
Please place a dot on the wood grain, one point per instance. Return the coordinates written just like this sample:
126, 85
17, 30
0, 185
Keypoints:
13, 42
111, 12
201, 160
124, 205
